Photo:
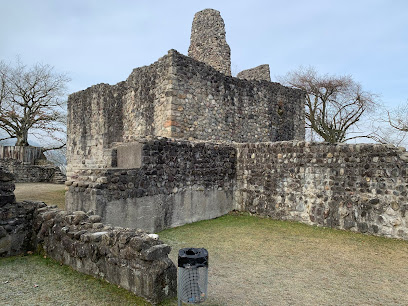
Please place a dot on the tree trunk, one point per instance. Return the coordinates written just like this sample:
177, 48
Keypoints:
22, 139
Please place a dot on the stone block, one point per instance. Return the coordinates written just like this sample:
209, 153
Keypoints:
129, 155
155, 252
260, 73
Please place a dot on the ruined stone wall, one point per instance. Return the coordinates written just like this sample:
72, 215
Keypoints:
15, 219
103, 115
29, 165
208, 43
7, 187
356, 187
126, 257
207, 105
16, 228
27, 173
178, 97
148, 100
94, 122
258, 73
130, 258
171, 182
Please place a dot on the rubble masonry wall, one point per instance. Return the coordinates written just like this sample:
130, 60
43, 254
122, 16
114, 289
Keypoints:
173, 182
129, 258
359, 187
178, 97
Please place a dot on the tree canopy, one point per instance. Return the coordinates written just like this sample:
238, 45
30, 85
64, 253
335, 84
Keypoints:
333, 103
32, 101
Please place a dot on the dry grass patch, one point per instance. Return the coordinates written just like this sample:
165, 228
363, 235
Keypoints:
255, 261
51, 194
252, 261
33, 280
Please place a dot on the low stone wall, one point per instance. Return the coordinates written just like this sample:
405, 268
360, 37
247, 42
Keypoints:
28, 173
167, 183
16, 219
16, 228
356, 187
129, 258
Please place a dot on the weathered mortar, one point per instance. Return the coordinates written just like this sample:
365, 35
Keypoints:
357, 187
208, 43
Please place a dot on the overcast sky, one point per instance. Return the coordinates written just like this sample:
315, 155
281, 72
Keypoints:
102, 41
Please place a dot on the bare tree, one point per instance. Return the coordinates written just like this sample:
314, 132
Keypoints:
391, 126
398, 118
334, 104
31, 101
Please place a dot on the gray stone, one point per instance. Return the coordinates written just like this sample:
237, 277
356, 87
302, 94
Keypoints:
155, 252
129, 155
208, 43
3, 232
260, 73
95, 218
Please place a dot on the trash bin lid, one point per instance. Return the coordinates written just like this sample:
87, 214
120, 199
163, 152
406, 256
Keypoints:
193, 258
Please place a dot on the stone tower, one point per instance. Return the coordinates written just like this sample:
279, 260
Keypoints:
208, 43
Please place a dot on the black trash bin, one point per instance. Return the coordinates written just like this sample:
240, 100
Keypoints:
192, 275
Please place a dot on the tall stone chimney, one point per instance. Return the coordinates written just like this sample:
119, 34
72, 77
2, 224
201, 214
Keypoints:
208, 43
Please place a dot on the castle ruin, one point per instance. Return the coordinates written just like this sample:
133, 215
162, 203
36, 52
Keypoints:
192, 99
182, 140
208, 43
